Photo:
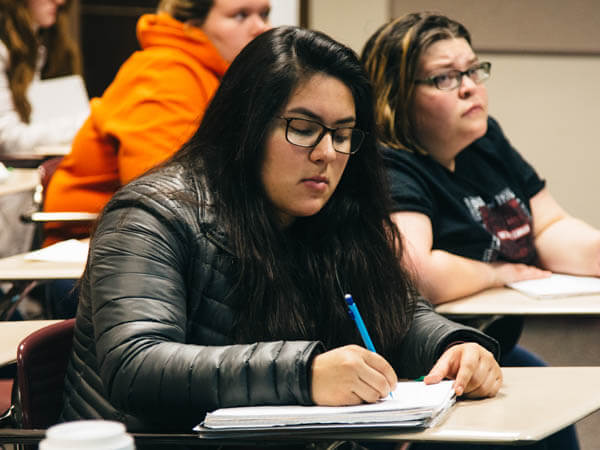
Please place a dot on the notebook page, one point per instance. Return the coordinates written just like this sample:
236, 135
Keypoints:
411, 401
558, 285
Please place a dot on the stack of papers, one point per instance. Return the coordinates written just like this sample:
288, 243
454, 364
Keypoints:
414, 404
558, 285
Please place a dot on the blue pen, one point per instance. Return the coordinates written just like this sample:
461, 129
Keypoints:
362, 329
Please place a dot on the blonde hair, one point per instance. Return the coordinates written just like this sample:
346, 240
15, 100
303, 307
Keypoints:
18, 35
391, 60
184, 10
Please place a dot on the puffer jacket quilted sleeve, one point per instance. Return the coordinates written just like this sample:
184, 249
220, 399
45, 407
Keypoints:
430, 335
151, 344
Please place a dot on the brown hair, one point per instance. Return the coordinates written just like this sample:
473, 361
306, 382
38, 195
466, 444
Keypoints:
23, 43
184, 10
391, 58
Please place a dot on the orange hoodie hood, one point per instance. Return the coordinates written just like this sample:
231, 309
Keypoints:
163, 31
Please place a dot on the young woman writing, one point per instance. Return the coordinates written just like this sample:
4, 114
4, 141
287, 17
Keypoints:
218, 279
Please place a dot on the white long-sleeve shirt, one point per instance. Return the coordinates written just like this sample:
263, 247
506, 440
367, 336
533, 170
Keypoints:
18, 137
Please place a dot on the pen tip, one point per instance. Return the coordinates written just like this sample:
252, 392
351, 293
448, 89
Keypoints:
348, 299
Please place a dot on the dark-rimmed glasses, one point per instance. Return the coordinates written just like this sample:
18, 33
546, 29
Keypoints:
452, 79
308, 133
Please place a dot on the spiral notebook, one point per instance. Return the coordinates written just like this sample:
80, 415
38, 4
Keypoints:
414, 405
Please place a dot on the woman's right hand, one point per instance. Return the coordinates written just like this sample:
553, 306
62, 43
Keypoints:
505, 273
350, 375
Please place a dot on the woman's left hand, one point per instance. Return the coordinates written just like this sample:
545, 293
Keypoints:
474, 369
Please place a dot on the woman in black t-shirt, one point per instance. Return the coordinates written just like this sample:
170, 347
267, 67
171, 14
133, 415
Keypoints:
473, 213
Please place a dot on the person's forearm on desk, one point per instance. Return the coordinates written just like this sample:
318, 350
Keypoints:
564, 244
446, 277
442, 276
570, 246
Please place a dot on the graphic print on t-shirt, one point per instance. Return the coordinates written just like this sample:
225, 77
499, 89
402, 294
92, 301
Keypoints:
509, 223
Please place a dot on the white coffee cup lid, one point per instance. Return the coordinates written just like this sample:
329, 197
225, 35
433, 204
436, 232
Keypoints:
88, 435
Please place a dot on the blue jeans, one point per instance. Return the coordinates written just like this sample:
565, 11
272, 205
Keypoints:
63, 297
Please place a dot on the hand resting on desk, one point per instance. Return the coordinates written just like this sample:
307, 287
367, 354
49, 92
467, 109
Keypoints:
352, 374
475, 370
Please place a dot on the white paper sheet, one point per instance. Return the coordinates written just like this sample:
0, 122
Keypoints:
70, 250
58, 97
558, 285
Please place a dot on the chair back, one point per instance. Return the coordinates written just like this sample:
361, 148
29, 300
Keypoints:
42, 359
47, 169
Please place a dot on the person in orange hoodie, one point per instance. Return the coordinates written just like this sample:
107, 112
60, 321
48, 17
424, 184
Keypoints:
152, 107
154, 104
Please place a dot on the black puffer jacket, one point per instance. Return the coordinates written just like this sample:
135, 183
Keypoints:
151, 345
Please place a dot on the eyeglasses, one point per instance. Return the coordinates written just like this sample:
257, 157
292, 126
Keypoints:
452, 79
308, 133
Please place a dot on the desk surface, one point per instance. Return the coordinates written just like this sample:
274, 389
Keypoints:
508, 301
20, 180
533, 403
16, 268
12, 333
52, 150
522, 412
36, 156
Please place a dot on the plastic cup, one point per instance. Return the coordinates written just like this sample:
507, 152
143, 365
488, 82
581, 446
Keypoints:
88, 435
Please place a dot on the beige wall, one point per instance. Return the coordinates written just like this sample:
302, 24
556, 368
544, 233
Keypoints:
518, 25
549, 107
548, 104
349, 21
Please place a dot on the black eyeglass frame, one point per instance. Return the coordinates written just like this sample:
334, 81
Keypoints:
433, 80
324, 130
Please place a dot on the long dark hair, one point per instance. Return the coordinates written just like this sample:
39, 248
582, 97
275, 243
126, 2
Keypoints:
290, 283
18, 35
391, 59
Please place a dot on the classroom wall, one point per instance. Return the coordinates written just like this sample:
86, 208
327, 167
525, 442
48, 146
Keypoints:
549, 107
546, 98
285, 12
348, 21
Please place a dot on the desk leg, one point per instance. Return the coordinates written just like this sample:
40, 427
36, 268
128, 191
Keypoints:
10, 300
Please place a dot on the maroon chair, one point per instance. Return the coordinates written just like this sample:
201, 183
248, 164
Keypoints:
38, 216
42, 359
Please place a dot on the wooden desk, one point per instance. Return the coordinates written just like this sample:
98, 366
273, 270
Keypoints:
12, 333
16, 198
36, 157
508, 301
22, 161
25, 274
533, 404
562, 331
17, 268
52, 150
20, 180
